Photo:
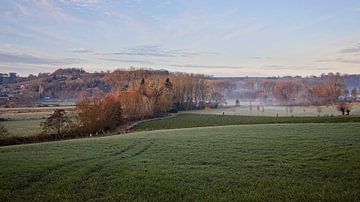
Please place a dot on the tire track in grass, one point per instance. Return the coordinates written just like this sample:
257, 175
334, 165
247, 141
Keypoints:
96, 172
46, 175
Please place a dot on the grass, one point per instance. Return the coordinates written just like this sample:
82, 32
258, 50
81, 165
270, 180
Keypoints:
186, 120
26, 121
299, 111
297, 162
25, 127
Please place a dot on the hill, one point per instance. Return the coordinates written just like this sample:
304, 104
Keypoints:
301, 162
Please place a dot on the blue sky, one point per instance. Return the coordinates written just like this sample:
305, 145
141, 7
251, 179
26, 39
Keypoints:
221, 38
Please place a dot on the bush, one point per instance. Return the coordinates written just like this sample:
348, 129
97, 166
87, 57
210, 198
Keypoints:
3, 131
98, 115
344, 108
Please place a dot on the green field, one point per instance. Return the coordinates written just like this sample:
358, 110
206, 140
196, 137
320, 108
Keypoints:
26, 121
26, 127
297, 162
187, 120
300, 111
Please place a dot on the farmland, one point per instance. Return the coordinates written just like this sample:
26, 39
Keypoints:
179, 100
248, 162
26, 121
188, 120
25, 127
299, 111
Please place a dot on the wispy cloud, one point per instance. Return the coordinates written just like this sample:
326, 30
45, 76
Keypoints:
22, 9
81, 50
7, 57
292, 67
260, 58
81, 3
354, 49
56, 11
147, 62
321, 19
158, 51
206, 66
245, 29
341, 60
15, 34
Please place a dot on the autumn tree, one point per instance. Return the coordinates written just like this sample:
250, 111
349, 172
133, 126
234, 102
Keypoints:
160, 94
287, 91
125, 79
57, 122
135, 105
267, 87
222, 86
99, 114
327, 91
190, 92
249, 84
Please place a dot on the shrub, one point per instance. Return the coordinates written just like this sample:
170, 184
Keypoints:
3, 131
98, 115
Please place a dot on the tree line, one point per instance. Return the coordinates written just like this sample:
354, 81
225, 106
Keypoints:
143, 96
329, 89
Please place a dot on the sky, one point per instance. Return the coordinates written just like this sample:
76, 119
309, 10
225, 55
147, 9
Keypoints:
220, 38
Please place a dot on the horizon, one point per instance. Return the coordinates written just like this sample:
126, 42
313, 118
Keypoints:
155, 69
227, 39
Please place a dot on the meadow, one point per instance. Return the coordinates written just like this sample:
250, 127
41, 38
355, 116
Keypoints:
24, 127
189, 120
300, 111
26, 121
298, 162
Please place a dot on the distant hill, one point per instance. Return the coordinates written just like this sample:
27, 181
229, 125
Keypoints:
68, 83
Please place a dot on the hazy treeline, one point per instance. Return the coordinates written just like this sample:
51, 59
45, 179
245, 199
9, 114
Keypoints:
328, 89
66, 84
135, 95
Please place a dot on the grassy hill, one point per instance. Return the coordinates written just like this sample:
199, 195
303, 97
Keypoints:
250, 162
186, 120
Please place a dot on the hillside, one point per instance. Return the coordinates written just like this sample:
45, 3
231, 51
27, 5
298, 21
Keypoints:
316, 162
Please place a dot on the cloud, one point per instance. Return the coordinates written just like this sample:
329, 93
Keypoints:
245, 29
81, 3
206, 66
23, 10
321, 19
15, 58
341, 60
81, 50
129, 61
354, 49
15, 34
260, 58
158, 51
56, 11
291, 67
